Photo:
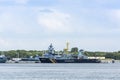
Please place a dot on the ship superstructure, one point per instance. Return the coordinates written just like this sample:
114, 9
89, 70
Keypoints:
3, 58
52, 57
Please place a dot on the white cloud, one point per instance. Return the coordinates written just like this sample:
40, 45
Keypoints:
55, 21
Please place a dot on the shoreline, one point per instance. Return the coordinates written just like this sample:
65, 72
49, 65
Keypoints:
31, 62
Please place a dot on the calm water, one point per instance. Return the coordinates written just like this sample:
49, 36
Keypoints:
60, 71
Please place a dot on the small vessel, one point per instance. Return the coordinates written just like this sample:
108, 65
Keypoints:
3, 58
35, 59
52, 57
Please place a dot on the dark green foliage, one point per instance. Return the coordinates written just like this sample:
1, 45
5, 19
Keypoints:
21, 53
95, 54
74, 50
25, 54
113, 55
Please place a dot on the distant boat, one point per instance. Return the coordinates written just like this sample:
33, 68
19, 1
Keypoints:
51, 57
35, 59
3, 58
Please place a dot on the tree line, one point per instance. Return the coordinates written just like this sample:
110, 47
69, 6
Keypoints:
107, 55
21, 53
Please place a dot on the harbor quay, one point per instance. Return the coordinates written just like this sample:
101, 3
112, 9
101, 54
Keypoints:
32, 62
22, 62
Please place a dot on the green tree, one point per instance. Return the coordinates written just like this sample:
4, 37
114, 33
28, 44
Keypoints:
74, 50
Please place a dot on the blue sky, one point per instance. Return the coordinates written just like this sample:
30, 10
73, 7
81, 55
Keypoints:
93, 25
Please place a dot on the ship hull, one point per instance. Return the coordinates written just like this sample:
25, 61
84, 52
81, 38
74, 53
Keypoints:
48, 60
2, 60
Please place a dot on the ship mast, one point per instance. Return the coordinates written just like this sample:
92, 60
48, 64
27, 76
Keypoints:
51, 49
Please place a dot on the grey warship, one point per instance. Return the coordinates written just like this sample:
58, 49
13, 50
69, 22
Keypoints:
3, 58
52, 57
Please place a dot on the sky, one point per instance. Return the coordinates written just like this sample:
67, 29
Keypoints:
92, 25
